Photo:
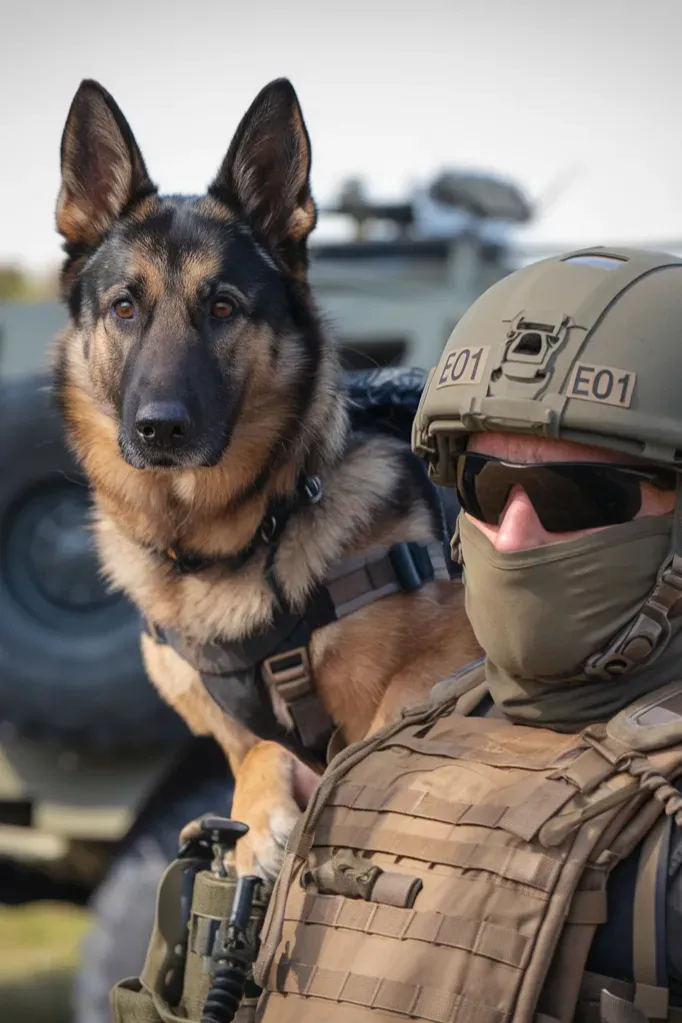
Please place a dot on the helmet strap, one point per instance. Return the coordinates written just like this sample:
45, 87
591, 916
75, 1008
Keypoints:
648, 634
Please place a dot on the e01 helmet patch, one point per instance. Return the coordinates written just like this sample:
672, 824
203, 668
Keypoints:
463, 366
606, 385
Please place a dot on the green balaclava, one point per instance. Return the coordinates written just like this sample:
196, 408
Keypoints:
582, 347
540, 614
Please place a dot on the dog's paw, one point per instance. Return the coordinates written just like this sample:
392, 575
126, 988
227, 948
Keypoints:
261, 851
195, 829
272, 788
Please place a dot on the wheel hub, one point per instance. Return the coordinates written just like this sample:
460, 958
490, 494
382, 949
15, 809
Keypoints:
49, 560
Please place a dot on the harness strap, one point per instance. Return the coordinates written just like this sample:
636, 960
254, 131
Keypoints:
290, 674
277, 514
236, 673
355, 582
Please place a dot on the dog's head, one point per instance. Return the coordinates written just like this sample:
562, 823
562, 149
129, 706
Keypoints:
192, 328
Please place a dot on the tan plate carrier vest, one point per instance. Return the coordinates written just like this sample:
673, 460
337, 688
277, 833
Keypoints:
453, 869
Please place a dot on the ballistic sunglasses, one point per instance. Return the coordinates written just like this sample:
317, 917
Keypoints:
566, 496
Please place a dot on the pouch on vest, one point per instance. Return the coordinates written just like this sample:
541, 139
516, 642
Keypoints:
188, 975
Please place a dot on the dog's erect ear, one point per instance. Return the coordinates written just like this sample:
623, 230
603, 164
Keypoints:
102, 168
266, 174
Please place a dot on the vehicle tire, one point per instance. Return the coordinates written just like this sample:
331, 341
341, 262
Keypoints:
124, 904
70, 664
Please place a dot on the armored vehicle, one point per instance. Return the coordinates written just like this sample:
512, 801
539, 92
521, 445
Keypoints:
97, 776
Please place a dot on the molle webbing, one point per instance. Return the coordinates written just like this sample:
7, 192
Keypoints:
506, 833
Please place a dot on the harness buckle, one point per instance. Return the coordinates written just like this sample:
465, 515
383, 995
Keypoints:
268, 528
290, 673
312, 488
405, 566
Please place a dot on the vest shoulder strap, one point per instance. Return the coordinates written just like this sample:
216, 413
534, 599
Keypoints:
449, 693
651, 723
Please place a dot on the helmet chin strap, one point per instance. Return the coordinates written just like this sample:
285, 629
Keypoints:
646, 637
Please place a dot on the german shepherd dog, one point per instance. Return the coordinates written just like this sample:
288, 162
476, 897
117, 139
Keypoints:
197, 384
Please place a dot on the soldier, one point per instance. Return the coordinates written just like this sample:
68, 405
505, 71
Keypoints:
510, 852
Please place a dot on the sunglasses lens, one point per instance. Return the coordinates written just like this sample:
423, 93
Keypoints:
566, 496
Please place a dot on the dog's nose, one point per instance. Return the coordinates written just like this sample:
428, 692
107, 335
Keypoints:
162, 424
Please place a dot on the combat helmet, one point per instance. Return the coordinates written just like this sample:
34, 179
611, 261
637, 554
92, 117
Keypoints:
587, 347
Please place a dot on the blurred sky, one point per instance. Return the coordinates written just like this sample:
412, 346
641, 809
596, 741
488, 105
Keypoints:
584, 94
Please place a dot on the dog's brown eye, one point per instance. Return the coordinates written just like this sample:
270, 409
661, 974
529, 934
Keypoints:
221, 309
124, 309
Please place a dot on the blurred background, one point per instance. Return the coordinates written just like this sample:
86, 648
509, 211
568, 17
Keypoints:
452, 141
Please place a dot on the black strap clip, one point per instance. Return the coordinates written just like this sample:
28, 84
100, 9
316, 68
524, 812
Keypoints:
411, 564
312, 489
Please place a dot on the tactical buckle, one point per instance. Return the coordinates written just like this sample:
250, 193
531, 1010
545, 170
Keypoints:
647, 635
290, 673
405, 566
268, 528
312, 488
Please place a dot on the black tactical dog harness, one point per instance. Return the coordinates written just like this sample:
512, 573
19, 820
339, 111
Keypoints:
236, 673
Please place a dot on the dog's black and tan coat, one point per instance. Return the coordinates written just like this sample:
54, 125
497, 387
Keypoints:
197, 383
